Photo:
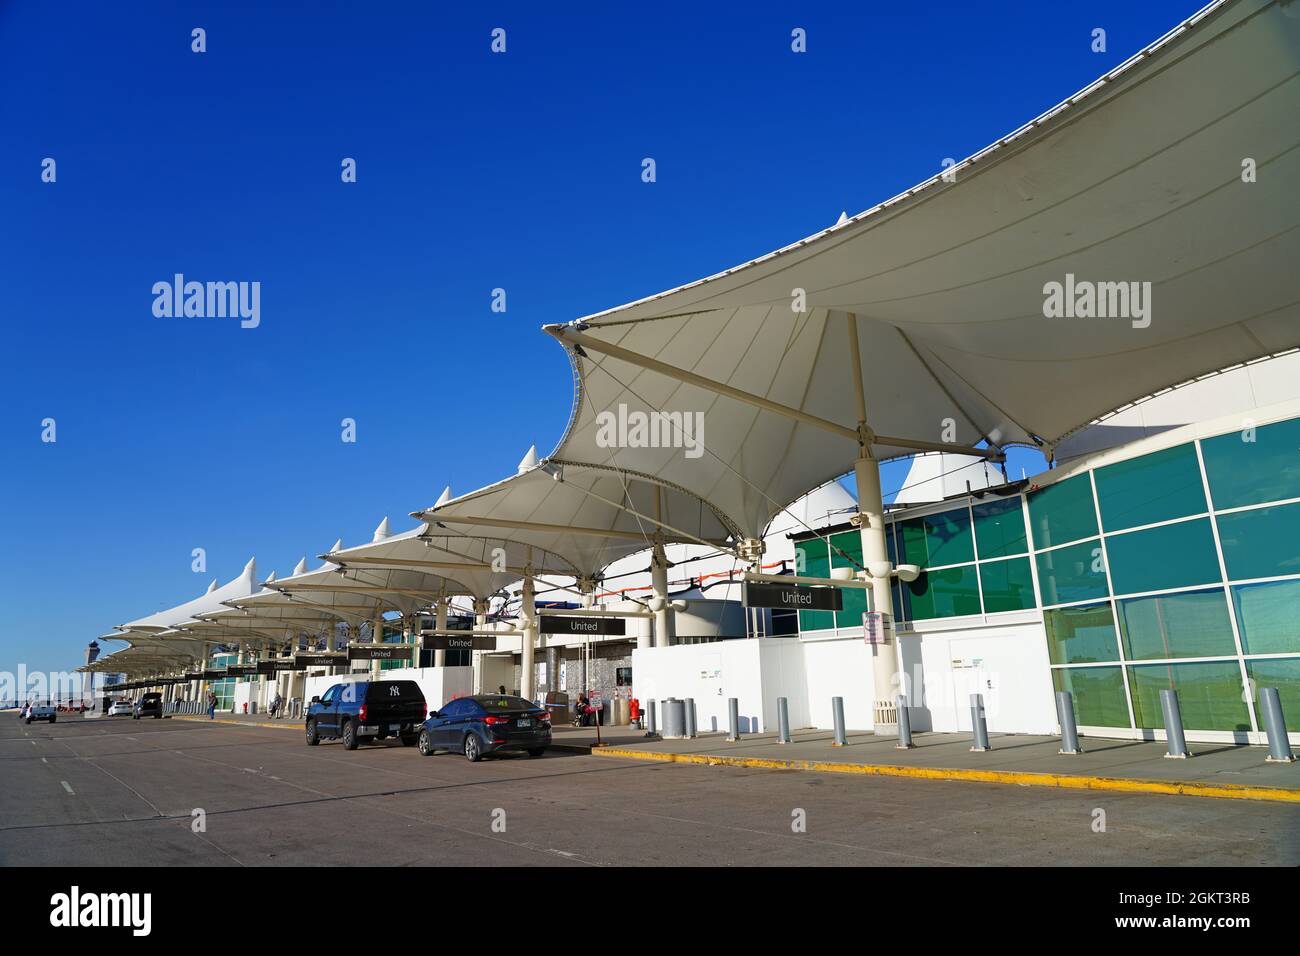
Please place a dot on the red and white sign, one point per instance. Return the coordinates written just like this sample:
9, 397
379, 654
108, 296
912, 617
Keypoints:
876, 627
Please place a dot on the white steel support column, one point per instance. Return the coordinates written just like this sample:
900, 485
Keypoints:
440, 622
203, 683
528, 622
875, 557
376, 637
751, 551
476, 657
664, 628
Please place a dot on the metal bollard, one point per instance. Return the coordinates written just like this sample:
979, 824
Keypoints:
837, 706
782, 721
1279, 745
674, 717
651, 728
1069, 729
690, 716
1173, 725
979, 727
904, 724
733, 718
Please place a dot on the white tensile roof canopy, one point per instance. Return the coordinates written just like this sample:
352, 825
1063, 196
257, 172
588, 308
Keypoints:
154, 640
578, 517
1137, 179
921, 324
212, 600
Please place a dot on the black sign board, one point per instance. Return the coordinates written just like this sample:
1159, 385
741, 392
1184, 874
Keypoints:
320, 660
434, 642
380, 652
793, 596
213, 675
274, 666
241, 670
568, 624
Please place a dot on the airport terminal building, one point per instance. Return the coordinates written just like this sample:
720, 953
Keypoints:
1173, 561
1158, 552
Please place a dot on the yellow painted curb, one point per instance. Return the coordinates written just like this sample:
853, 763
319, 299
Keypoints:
238, 723
1068, 781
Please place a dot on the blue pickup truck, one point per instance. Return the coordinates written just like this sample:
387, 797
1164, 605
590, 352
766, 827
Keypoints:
367, 710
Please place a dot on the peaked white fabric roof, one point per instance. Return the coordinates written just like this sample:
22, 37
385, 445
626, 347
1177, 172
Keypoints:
212, 600
1136, 178
578, 516
146, 655
348, 593
454, 558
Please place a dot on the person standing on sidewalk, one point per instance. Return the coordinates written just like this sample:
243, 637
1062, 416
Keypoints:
212, 705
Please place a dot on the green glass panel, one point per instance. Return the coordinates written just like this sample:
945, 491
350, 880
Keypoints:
1062, 512
846, 550
939, 539
1073, 573
1267, 618
1262, 543
1171, 556
948, 593
1098, 694
1209, 695
847, 553
1192, 624
902, 601
1081, 635
911, 535
1156, 487
1000, 528
1008, 585
1284, 674
1245, 472
812, 556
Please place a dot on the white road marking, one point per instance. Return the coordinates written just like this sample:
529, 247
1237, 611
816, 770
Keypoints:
67, 786
43, 760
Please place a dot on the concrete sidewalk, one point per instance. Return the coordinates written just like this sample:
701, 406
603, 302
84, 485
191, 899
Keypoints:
1214, 770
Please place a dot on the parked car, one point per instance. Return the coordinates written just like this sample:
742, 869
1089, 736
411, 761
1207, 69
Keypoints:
120, 708
366, 710
485, 724
39, 712
150, 705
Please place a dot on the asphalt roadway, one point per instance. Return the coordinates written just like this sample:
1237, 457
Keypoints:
115, 791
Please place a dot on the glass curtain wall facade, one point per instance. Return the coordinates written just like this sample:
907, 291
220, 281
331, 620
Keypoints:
224, 688
1174, 569
392, 634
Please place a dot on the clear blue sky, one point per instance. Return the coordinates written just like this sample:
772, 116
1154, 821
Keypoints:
475, 171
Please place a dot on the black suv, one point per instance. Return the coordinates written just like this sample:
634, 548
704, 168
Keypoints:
372, 710
150, 705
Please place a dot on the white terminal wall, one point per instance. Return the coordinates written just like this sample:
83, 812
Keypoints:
1007, 663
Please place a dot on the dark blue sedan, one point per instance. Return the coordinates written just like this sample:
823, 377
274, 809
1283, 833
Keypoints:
485, 724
